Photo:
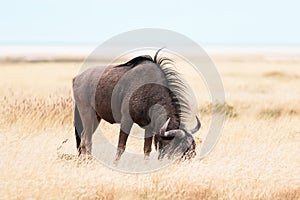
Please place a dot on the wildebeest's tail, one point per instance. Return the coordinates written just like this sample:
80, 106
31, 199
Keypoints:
78, 127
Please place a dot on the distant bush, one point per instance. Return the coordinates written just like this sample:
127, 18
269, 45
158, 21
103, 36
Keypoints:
220, 108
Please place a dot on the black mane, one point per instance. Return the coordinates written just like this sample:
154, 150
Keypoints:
178, 88
136, 61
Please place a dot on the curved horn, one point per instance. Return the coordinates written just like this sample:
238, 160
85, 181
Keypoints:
164, 127
175, 133
194, 130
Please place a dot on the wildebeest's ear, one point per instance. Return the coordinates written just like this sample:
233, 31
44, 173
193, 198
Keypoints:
164, 127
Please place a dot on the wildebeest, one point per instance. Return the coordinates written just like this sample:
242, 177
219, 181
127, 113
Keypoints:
144, 91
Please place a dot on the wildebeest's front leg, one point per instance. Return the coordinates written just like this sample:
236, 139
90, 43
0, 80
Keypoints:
126, 125
148, 143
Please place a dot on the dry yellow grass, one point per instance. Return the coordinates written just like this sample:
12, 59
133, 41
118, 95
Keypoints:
257, 156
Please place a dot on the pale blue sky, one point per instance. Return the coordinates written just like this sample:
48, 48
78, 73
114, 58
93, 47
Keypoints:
208, 22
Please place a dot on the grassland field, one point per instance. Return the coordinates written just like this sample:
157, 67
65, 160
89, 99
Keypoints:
257, 155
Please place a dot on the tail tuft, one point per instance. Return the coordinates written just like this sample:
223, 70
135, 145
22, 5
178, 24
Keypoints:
78, 128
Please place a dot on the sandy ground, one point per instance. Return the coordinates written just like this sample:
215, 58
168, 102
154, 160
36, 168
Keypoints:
257, 156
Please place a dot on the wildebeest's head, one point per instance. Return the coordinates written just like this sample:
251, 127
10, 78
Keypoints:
178, 143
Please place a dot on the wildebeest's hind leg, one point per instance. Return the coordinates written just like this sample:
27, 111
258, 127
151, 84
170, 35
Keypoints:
90, 122
126, 125
148, 143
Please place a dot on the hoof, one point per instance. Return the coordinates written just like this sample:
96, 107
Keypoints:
116, 162
147, 156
